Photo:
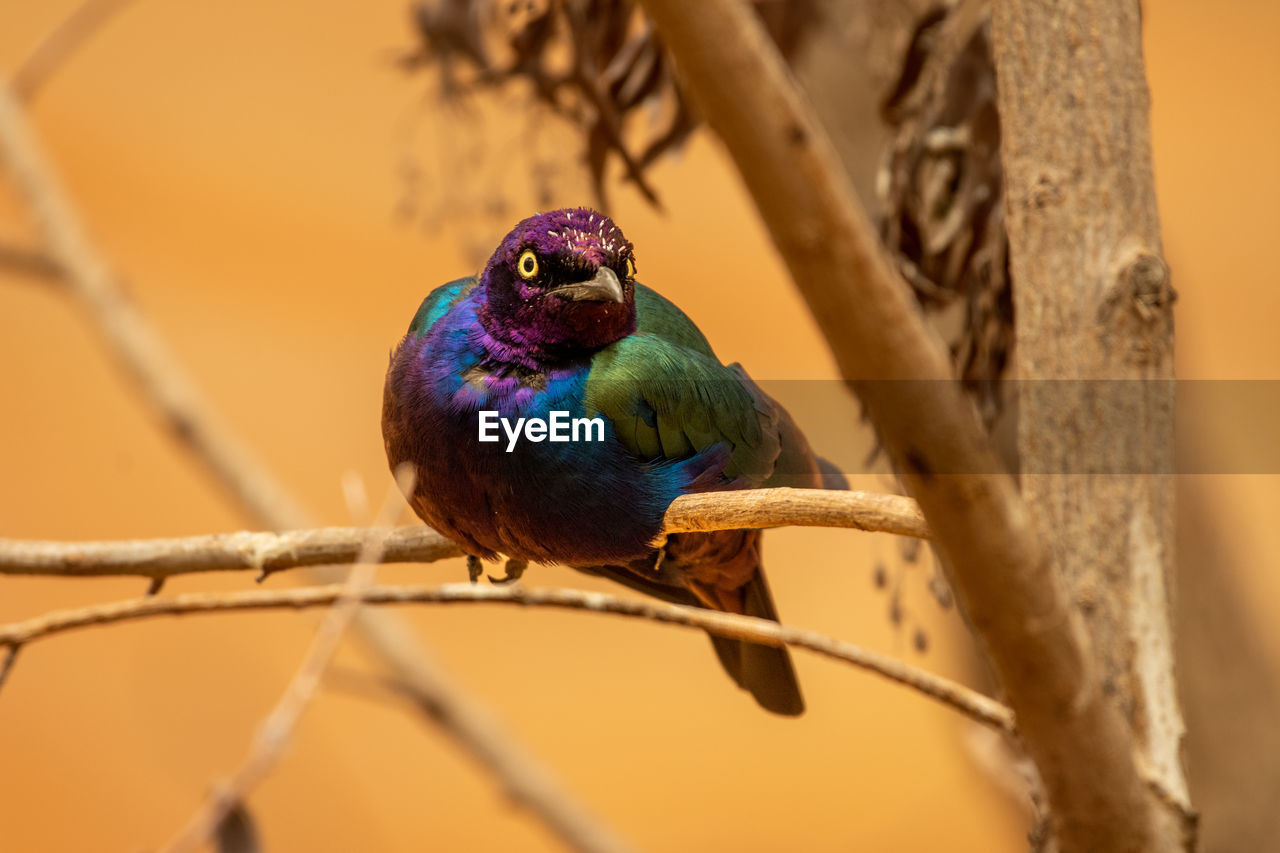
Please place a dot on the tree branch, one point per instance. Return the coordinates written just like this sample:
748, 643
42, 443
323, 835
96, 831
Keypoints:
266, 553
756, 508
1001, 570
54, 49
972, 704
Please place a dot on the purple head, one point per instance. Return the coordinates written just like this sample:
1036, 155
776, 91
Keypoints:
560, 283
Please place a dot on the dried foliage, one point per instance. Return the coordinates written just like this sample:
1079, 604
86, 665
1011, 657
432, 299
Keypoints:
942, 215
600, 66
597, 64
941, 188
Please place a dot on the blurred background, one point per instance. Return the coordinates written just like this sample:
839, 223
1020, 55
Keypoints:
279, 194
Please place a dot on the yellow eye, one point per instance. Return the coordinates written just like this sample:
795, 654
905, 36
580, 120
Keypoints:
631, 268
527, 266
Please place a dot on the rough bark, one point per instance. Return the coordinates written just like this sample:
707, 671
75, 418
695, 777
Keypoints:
1094, 306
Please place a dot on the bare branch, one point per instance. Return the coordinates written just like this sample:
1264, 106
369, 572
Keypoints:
1002, 572
63, 41
271, 552
972, 704
260, 552
757, 508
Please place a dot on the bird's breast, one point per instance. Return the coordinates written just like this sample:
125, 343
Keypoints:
509, 461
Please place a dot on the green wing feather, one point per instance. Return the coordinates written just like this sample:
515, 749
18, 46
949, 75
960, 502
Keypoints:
669, 397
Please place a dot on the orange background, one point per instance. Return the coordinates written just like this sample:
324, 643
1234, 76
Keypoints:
240, 165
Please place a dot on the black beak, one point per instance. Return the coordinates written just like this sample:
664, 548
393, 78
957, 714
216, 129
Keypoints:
602, 287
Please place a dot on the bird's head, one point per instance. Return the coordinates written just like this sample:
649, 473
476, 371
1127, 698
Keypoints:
561, 283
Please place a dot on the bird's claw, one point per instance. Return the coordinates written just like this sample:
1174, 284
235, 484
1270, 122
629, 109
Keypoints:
474, 568
514, 570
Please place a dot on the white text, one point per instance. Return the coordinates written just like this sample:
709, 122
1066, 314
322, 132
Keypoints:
558, 427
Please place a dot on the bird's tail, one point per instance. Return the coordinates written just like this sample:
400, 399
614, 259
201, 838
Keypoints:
765, 672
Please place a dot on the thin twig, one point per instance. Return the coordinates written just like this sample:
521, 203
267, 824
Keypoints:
64, 40
170, 393
277, 729
6, 665
271, 552
968, 702
26, 261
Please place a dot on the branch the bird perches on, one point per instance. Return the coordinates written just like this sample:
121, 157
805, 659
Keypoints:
267, 552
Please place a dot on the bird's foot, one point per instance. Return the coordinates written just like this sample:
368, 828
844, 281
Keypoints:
474, 568
514, 570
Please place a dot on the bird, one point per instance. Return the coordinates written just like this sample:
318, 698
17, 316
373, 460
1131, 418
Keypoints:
556, 322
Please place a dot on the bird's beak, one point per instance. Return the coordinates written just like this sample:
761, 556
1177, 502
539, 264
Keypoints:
602, 287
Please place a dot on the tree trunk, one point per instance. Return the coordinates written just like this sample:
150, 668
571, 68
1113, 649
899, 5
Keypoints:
1094, 307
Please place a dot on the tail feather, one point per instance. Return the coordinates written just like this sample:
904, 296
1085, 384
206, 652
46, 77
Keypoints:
766, 672
763, 671
724, 570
